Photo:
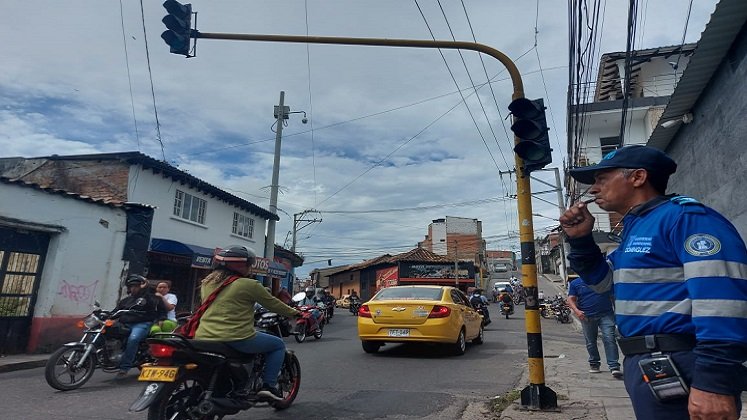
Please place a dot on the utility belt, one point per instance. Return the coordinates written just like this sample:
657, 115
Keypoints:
656, 343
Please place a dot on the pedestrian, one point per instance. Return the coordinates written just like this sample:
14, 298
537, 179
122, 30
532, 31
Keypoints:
596, 313
679, 283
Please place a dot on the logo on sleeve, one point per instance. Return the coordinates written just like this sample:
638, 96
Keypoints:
702, 245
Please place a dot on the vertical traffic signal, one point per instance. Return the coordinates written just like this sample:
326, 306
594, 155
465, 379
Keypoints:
530, 126
179, 23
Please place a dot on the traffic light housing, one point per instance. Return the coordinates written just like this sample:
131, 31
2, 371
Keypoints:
530, 126
179, 24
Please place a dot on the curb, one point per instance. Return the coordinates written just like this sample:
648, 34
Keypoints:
11, 367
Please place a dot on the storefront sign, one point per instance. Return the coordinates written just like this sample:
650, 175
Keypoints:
260, 266
171, 259
202, 261
386, 277
276, 269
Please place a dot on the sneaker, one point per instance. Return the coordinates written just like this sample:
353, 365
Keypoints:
594, 369
616, 373
269, 393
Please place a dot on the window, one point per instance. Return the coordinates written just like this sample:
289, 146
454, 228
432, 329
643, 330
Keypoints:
243, 225
189, 207
609, 144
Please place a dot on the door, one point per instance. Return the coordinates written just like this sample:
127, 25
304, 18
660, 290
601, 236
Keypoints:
21, 261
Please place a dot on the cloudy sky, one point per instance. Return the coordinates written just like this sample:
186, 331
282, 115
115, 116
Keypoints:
390, 144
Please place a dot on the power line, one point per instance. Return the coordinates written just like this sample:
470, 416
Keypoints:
311, 102
129, 77
152, 89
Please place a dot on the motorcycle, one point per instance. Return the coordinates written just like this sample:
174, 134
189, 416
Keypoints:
562, 310
507, 309
196, 379
306, 325
274, 324
355, 305
102, 345
483, 311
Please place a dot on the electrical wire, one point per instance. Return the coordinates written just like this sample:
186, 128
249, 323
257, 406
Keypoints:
129, 77
152, 89
311, 102
474, 121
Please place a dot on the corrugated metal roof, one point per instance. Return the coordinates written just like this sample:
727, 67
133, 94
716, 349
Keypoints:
726, 22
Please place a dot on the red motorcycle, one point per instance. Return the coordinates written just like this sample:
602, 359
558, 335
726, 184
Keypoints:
308, 324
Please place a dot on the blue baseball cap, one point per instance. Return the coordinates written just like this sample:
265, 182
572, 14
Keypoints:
653, 160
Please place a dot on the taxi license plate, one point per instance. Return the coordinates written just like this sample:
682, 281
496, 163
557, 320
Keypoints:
158, 374
399, 332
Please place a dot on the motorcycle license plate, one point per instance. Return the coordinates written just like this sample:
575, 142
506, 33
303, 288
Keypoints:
158, 374
399, 332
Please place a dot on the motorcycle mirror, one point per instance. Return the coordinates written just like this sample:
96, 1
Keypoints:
96, 304
299, 296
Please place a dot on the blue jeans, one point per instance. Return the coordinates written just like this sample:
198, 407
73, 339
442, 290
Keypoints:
138, 332
591, 326
273, 349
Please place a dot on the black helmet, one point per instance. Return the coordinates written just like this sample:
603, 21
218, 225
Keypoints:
235, 258
310, 291
133, 279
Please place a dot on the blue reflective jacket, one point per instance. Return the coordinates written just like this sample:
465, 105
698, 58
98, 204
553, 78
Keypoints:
681, 269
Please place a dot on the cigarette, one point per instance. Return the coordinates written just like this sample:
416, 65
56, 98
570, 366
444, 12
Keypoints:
590, 200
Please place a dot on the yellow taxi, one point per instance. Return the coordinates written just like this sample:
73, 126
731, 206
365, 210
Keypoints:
435, 314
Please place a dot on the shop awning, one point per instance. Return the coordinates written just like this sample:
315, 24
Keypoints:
201, 257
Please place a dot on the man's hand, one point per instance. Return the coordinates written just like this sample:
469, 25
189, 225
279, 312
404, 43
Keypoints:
580, 315
577, 221
705, 405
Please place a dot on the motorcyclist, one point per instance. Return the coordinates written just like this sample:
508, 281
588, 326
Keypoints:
354, 301
505, 298
329, 300
312, 300
229, 317
145, 312
479, 301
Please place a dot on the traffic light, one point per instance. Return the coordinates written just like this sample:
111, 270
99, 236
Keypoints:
179, 22
530, 126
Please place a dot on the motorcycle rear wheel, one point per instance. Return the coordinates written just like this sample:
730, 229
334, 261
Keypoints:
319, 332
289, 381
300, 333
59, 366
179, 396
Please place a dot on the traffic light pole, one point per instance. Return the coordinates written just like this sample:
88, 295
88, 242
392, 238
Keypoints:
536, 396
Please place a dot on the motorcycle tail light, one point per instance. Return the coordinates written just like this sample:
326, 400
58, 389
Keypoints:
108, 322
161, 351
439, 311
364, 311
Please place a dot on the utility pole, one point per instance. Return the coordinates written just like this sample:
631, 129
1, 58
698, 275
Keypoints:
561, 241
281, 113
298, 217
456, 264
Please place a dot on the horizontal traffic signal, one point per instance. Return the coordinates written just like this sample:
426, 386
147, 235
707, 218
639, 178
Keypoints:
530, 126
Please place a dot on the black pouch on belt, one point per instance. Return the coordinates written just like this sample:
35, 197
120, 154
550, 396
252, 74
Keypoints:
663, 378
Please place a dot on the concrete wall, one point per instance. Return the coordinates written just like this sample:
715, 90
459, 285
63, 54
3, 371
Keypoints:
157, 190
83, 263
711, 152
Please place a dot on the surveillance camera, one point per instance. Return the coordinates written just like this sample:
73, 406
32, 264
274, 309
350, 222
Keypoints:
304, 120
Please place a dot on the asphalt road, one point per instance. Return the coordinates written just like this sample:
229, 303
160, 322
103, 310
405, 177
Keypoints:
339, 380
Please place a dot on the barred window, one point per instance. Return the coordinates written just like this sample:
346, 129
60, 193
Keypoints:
243, 225
189, 207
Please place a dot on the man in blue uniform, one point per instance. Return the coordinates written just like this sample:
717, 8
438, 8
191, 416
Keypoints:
595, 312
680, 284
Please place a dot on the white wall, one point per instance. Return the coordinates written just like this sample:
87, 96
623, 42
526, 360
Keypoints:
461, 225
83, 263
148, 188
438, 232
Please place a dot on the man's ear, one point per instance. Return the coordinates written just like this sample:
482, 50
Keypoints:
639, 177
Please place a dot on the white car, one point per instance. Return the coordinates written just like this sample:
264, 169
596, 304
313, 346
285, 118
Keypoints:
500, 286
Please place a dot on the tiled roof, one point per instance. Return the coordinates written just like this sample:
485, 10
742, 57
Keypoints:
67, 194
420, 255
176, 174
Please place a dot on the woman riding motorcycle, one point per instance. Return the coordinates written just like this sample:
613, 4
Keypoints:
230, 317
313, 301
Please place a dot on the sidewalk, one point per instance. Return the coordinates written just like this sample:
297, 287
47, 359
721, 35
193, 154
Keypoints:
581, 395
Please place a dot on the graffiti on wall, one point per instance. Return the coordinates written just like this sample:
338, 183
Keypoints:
78, 293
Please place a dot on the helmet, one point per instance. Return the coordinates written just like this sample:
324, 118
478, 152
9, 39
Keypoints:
135, 279
235, 258
310, 291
